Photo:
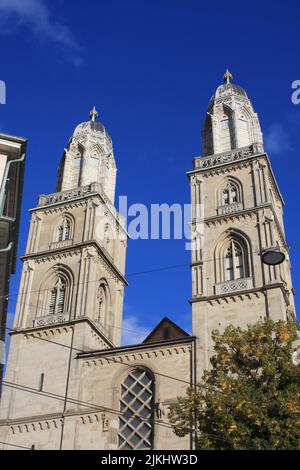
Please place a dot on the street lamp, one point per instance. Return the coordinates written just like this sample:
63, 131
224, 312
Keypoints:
272, 256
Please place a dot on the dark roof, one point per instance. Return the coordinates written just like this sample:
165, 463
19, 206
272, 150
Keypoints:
166, 330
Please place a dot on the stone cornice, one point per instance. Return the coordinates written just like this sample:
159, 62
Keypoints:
243, 212
52, 419
224, 158
68, 324
73, 197
255, 291
77, 249
129, 350
216, 163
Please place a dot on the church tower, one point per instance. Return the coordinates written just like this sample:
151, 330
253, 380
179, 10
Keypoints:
237, 213
72, 285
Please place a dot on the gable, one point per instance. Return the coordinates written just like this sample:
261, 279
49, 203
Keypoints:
166, 330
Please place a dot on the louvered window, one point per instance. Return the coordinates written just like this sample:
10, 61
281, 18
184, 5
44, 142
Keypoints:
60, 232
57, 298
52, 301
61, 299
67, 230
235, 263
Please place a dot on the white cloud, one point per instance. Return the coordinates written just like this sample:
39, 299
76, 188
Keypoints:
277, 139
36, 15
133, 332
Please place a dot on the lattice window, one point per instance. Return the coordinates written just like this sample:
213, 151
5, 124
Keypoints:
136, 405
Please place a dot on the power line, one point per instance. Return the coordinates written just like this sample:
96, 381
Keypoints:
137, 273
93, 351
81, 351
75, 401
103, 408
47, 310
15, 445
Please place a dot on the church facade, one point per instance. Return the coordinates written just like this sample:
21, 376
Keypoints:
69, 383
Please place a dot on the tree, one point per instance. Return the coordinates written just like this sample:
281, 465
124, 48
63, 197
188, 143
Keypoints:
250, 399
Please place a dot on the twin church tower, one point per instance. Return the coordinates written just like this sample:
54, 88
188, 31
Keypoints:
65, 356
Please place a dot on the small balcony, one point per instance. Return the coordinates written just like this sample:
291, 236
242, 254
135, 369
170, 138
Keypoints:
51, 319
230, 208
233, 286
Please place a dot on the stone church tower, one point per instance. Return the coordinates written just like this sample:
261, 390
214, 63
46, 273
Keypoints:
72, 283
237, 214
75, 258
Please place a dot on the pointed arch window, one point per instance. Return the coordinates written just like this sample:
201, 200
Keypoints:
235, 261
136, 429
102, 304
231, 194
109, 240
64, 230
58, 297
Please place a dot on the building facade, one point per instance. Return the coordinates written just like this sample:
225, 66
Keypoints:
237, 214
12, 162
69, 382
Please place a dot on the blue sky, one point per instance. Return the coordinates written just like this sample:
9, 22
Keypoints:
150, 67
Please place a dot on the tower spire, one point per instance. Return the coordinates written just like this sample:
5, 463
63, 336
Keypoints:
228, 77
94, 114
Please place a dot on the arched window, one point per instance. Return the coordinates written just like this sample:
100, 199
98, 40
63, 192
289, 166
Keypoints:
231, 194
235, 261
102, 304
207, 137
243, 130
136, 430
227, 140
57, 297
109, 240
64, 230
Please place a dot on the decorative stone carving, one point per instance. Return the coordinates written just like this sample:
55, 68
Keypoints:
232, 286
51, 319
230, 208
61, 244
70, 194
223, 158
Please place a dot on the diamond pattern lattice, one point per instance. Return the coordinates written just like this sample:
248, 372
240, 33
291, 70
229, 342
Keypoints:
136, 405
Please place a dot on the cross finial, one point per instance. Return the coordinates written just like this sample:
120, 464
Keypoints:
94, 114
228, 76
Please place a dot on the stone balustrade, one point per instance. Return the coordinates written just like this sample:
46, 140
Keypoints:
61, 244
230, 208
51, 319
233, 286
227, 157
